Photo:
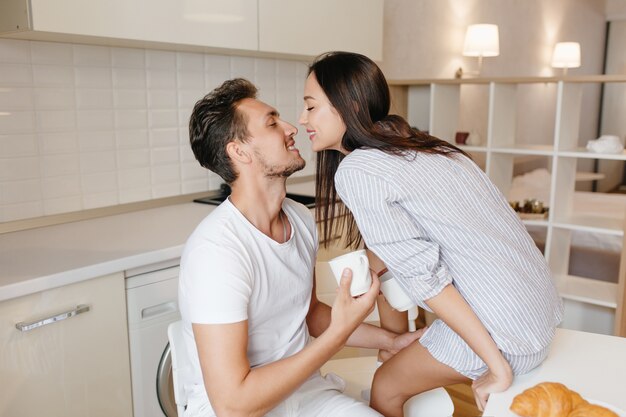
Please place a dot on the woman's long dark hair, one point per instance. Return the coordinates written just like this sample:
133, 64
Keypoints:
357, 89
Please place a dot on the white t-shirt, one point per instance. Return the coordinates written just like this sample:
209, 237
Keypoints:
230, 272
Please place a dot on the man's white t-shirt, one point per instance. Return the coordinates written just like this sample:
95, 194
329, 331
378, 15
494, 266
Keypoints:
230, 272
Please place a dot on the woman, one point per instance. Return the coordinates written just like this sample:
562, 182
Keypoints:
441, 227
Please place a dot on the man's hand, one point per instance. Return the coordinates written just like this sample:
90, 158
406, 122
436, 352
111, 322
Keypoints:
400, 342
349, 312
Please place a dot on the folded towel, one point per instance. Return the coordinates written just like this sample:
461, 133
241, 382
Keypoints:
605, 144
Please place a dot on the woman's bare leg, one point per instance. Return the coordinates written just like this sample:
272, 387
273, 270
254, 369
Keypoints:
411, 371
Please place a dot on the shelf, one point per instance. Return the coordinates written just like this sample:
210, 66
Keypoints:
592, 224
587, 290
467, 148
537, 122
541, 223
544, 150
612, 78
584, 153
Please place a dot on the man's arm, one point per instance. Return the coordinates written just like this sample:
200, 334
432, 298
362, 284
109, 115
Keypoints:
365, 335
236, 390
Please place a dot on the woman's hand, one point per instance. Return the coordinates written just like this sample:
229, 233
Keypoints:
491, 382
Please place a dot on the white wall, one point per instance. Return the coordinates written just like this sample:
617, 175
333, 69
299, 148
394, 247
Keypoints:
424, 39
91, 126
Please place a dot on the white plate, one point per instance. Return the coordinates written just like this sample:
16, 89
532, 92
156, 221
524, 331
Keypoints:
618, 411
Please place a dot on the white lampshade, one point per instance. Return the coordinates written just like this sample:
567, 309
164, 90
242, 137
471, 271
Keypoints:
566, 55
482, 40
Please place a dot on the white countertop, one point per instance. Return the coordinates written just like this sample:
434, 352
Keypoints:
591, 364
49, 257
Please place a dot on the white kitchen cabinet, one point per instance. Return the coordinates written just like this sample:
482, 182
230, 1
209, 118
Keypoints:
74, 367
298, 28
434, 105
230, 24
312, 27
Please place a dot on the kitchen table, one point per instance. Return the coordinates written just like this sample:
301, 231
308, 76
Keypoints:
592, 364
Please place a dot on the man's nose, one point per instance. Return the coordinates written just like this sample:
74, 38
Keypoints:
290, 129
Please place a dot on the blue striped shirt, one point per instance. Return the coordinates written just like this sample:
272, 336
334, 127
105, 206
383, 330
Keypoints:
436, 220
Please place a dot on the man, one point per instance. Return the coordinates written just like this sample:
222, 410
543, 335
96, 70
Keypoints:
246, 290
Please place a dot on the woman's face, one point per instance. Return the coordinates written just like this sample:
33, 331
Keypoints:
322, 122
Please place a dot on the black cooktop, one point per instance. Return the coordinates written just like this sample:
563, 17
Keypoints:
216, 200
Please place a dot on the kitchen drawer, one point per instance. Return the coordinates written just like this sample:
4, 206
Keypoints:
78, 366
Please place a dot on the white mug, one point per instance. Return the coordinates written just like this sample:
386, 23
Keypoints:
357, 261
394, 294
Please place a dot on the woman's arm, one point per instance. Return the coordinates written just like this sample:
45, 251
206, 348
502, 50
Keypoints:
452, 308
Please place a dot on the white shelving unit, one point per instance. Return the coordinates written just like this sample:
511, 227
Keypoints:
435, 105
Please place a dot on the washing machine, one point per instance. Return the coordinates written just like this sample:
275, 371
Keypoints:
152, 304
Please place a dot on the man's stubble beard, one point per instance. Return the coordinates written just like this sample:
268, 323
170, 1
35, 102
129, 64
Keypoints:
276, 171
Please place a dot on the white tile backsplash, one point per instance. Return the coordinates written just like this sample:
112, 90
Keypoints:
95, 120
59, 142
128, 58
133, 78
62, 205
163, 137
94, 99
17, 122
13, 146
162, 99
134, 178
55, 120
161, 59
92, 162
131, 119
57, 187
162, 79
93, 77
14, 51
60, 165
51, 53
133, 158
21, 191
96, 141
158, 119
92, 56
16, 98
14, 169
186, 61
132, 139
52, 76
85, 126
129, 99
54, 98
16, 75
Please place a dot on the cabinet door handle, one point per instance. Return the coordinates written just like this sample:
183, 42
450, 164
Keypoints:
26, 326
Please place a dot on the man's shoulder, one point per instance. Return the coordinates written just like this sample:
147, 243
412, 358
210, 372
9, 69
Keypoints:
214, 227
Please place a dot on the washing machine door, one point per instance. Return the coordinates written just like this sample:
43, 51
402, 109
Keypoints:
165, 384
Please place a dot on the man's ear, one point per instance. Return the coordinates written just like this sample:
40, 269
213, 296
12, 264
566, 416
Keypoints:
237, 152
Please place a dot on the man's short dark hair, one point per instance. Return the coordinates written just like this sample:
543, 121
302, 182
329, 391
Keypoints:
215, 122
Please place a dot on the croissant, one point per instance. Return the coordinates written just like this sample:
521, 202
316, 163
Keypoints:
552, 399
591, 410
547, 399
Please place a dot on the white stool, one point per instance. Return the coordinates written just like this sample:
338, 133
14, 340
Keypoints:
358, 374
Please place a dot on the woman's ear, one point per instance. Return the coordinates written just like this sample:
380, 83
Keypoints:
237, 152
